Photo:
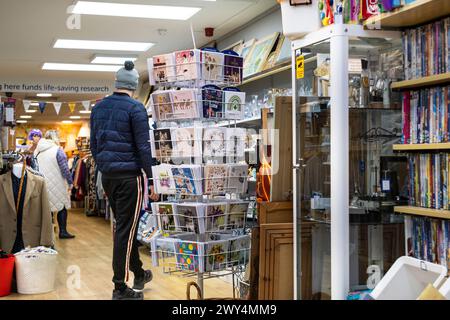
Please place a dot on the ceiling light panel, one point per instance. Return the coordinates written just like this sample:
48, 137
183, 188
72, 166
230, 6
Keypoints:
102, 45
134, 10
80, 67
44, 95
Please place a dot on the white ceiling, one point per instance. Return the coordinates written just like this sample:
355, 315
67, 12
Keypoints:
28, 29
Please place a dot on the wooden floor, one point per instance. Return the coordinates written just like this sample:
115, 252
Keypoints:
91, 251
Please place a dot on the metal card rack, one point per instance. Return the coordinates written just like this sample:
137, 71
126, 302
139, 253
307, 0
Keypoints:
221, 229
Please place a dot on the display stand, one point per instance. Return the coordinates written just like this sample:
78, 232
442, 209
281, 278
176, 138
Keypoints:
188, 236
337, 37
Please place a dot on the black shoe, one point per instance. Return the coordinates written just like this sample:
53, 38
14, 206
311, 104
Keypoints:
139, 284
127, 294
66, 235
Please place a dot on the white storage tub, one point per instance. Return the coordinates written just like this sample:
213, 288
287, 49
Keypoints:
301, 19
407, 278
36, 272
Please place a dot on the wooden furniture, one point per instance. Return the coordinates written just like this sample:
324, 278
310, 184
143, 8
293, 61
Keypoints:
418, 12
436, 79
426, 212
275, 212
276, 262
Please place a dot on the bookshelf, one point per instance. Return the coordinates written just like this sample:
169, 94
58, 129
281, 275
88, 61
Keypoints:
416, 13
422, 82
425, 212
421, 147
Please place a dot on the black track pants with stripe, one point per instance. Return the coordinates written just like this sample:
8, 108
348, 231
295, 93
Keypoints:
125, 196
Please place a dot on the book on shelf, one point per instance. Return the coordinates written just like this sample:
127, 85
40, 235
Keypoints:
426, 115
428, 239
426, 49
428, 180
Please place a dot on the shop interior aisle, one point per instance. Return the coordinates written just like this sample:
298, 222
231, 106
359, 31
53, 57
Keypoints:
91, 251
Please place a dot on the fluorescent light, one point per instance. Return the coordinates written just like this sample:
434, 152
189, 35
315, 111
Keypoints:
26, 117
102, 45
34, 104
75, 117
67, 121
80, 67
30, 111
44, 95
112, 60
85, 111
134, 10
21, 121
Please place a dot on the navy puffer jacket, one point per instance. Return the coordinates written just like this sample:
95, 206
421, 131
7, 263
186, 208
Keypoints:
120, 136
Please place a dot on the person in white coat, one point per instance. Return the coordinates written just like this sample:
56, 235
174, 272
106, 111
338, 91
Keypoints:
52, 163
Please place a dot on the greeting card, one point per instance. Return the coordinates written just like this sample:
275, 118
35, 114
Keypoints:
234, 101
235, 142
163, 179
162, 105
166, 216
162, 144
236, 215
187, 179
215, 217
187, 256
237, 178
190, 217
162, 68
216, 178
187, 64
212, 65
213, 142
184, 104
239, 252
233, 67
216, 255
212, 98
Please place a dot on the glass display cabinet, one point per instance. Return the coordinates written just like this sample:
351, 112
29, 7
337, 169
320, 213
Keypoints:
346, 177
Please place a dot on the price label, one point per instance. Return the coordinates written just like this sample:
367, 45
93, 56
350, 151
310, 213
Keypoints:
300, 66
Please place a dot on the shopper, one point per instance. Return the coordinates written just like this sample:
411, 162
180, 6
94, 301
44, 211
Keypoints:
121, 148
52, 163
34, 136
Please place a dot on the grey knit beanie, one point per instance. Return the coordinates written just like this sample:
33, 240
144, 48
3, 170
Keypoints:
127, 77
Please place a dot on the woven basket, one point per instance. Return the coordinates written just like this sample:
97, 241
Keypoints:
35, 272
199, 293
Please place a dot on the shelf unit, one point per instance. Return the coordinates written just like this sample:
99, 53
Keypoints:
422, 82
425, 212
421, 147
416, 13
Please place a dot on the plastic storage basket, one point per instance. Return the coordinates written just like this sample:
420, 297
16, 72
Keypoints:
301, 19
36, 272
407, 278
6, 273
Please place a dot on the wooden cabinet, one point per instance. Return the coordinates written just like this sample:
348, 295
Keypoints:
276, 262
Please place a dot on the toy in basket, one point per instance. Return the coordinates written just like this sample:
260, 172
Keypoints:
36, 270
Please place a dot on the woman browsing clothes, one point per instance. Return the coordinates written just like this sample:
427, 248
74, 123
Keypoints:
52, 163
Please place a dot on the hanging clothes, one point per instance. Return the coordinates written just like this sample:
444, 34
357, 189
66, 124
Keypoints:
18, 243
36, 227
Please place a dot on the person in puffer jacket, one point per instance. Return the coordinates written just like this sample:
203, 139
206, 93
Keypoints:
120, 145
52, 163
